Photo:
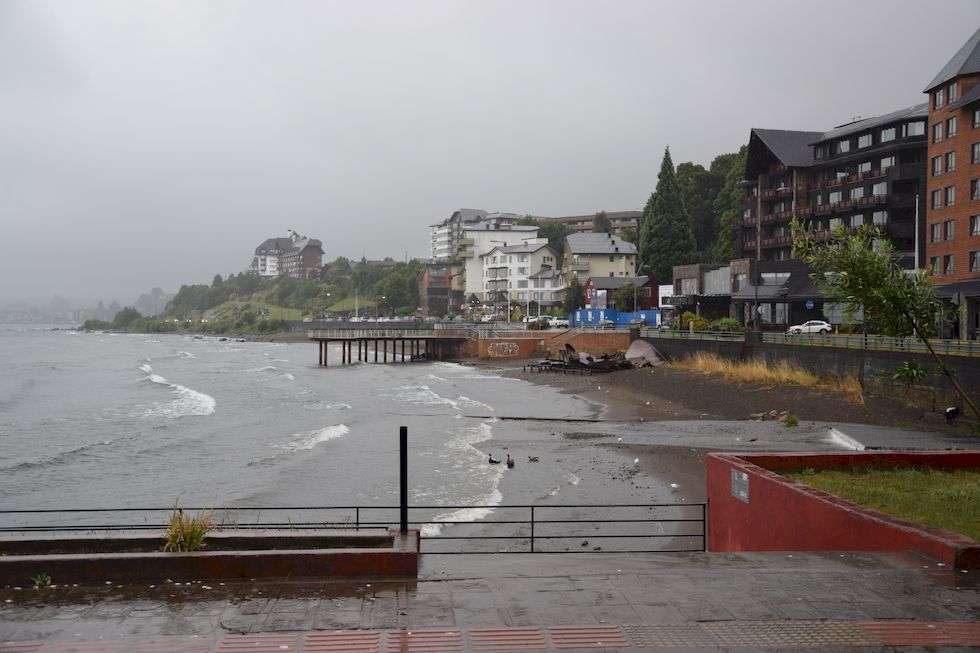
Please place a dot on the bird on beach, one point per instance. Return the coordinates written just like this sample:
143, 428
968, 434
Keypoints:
492, 461
532, 459
510, 462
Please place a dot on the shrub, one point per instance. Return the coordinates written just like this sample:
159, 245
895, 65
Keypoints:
689, 318
725, 324
186, 532
909, 373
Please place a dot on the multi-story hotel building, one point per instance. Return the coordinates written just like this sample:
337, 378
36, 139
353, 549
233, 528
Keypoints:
618, 221
870, 171
953, 210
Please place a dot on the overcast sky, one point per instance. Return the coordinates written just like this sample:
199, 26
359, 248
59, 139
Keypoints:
152, 144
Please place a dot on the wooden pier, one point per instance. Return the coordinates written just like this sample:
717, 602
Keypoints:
402, 345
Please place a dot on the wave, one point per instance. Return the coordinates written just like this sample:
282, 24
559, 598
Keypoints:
423, 395
272, 369
567, 479
308, 439
185, 354
435, 526
60, 458
145, 367
187, 402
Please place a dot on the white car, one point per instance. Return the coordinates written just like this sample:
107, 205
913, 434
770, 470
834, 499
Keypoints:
812, 326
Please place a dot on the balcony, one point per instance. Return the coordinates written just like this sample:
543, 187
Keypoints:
907, 171
579, 267
465, 241
466, 253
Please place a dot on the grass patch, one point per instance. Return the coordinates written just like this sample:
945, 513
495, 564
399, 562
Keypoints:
947, 499
759, 371
186, 532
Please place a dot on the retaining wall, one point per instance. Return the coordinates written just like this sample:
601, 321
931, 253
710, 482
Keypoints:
752, 507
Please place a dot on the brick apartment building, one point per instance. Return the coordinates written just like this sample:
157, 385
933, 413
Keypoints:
953, 210
295, 256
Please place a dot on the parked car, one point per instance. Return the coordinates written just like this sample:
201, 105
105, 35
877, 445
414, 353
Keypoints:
559, 322
486, 318
812, 326
606, 324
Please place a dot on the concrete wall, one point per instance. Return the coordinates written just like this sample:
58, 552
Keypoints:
869, 366
752, 507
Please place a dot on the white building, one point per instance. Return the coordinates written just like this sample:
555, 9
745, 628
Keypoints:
478, 240
507, 272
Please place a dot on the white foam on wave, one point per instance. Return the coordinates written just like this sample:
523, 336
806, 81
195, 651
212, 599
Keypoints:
308, 439
567, 479
187, 402
433, 377
423, 395
438, 522
185, 354
272, 369
145, 367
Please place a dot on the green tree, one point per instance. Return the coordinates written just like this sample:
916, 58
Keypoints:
727, 207
698, 190
601, 223
629, 235
125, 317
555, 232
574, 296
859, 269
624, 298
666, 237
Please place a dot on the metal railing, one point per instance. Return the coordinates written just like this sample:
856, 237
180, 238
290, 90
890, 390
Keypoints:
871, 342
867, 342
621, 528
725, 336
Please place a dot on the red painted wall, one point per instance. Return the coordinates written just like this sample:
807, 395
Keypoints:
782, 515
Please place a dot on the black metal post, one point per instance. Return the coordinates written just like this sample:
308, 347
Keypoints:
403, 477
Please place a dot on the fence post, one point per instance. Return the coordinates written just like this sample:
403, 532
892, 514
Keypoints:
403, 477
532, 529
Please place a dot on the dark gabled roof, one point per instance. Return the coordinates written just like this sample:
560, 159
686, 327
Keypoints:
615, 283
968, 98
916, 111
523, 248
593, 243
545, 273
966, 61
274, 245
792, 148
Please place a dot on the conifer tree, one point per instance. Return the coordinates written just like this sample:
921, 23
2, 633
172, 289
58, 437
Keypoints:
666, 238
727, 209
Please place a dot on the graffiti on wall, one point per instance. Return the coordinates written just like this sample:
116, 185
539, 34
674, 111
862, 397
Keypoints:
503, 350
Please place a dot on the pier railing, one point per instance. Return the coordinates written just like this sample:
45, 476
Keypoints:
445, 529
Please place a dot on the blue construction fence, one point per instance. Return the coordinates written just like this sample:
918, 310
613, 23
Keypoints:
605, 316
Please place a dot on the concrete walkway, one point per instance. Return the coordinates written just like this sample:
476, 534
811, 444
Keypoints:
609, 602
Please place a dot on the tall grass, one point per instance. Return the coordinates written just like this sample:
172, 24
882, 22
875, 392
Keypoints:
759, 371
186, 532
934, 497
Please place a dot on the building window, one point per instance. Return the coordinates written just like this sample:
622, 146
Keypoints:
864, 167
934, 264
951, 92
881, 188
917, 128
879, 218
864, 140
857, 193
937, 166
975, 189
974, 261
937, 199
820, 152
937, 232
976, 118
937, 132
887, 163
887, 134
948, 264
857, 221
835, 224
939, 98
951, 161
843, 146
975, 225
951, 127
975, 153
835, 197
949, 228
950, 195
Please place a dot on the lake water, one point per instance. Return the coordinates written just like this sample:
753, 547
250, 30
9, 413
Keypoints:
94, 420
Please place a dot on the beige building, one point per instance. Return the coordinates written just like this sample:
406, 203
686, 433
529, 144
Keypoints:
591, 255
